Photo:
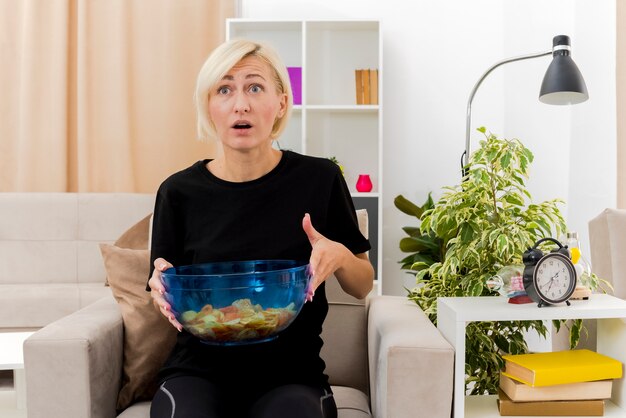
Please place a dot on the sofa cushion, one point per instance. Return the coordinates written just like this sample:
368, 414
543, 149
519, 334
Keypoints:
351, 403
137, 410
34, 305
148, 336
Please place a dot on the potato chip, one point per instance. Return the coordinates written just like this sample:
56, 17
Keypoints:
240, 321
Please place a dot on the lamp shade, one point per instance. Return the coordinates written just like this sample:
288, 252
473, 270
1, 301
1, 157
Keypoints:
563, 83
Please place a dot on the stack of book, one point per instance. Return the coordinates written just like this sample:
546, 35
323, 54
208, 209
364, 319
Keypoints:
560, 383
366, 86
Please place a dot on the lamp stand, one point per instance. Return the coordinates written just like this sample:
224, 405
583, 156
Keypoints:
465, 156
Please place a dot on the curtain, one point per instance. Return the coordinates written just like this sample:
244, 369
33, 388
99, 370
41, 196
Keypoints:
621, 103
97, 95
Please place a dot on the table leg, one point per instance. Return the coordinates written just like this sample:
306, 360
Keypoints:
454, 333
19, 383
611, 342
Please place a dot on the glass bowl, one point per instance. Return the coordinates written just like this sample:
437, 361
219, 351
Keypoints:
238, 302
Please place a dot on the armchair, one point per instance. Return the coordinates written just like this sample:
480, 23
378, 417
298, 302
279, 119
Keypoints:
607, 241
383, 355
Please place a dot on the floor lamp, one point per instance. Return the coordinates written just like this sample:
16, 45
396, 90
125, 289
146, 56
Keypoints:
562, 84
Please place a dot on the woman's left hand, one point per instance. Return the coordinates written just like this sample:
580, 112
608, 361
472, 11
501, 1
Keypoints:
327, 256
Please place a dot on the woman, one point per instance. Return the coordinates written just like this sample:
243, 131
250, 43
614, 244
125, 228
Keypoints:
253, 202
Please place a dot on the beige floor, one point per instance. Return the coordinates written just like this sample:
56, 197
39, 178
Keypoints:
7, 397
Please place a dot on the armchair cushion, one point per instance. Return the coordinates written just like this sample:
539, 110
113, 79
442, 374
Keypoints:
607, 241
148, 336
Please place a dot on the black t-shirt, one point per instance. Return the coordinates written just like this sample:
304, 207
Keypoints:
200, 218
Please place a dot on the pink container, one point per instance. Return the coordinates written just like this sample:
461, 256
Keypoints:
295, 76
364, 183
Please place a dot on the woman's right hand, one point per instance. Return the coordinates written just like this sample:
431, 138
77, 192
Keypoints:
157, 291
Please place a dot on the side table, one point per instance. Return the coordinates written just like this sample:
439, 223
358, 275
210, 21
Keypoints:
12, 358
453, 314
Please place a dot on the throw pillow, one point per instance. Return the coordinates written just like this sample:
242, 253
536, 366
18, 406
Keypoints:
148, 336
136, 237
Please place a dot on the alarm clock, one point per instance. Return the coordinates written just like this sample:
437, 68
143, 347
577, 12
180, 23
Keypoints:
548, 278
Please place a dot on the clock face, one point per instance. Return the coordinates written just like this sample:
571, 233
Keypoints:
554, 278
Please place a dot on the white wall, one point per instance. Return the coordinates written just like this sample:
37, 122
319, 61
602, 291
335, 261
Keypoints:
434, 52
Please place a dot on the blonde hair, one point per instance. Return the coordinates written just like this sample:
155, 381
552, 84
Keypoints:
217, 65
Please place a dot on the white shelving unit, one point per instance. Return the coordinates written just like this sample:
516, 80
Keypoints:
329, 122
453, 314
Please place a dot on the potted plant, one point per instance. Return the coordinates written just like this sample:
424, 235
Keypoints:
463, 239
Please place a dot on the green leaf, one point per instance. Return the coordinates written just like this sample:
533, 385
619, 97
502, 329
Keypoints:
502, 245
574, 333
513, 199
532, 225
505, 160
476, 289
529, 155
408, 207
466, 232
543, 224
502, 343
418, 258
419, 266
429, 204
421, 243
412, 231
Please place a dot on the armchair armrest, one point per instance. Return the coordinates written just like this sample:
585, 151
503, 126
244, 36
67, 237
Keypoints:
411, 365
74, 365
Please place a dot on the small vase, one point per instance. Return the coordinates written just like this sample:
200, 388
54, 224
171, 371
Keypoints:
364, 183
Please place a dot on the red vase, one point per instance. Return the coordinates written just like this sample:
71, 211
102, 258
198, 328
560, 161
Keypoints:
364, 183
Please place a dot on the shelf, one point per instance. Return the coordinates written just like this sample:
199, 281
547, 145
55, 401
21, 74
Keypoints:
248, 26
372, 195
486, 407
344, 108
453, 315
329, 122
498, 309
342, 25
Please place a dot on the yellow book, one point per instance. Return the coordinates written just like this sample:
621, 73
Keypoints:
358, 77
366, 87
586, 408
560, 367
519, 392
373, 87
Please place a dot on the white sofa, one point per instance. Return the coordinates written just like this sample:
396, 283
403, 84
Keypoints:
384, 357
50, 262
